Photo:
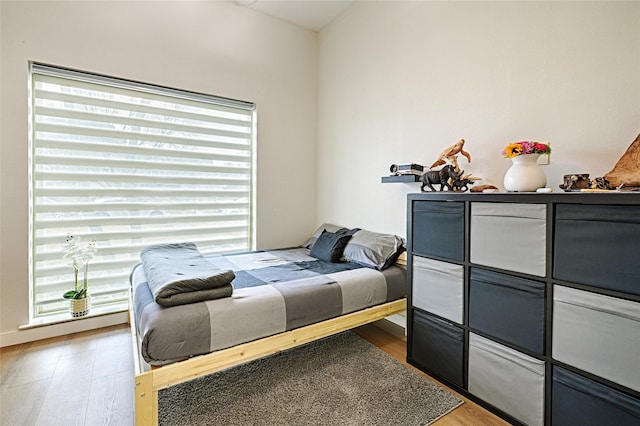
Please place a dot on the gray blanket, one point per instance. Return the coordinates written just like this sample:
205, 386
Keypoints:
274, 291
178, 274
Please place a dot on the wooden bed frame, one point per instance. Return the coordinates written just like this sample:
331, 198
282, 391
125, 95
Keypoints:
149, 381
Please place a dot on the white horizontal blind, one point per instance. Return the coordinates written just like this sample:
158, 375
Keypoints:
129, 165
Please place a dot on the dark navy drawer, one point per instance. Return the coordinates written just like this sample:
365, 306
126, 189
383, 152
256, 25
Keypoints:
508, 307
437, 346
581, 401
438, 229
598, 245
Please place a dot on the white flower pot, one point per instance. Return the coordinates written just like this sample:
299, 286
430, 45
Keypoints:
80, 307
524, 175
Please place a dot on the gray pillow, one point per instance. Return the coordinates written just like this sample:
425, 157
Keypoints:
373, 249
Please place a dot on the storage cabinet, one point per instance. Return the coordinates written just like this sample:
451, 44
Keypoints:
529, 303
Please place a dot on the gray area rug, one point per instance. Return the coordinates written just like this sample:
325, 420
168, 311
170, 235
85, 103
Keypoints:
340, 380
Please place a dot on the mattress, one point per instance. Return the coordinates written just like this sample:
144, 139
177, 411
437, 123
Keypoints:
274, 291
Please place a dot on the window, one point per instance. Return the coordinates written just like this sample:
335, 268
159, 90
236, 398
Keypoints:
129, 165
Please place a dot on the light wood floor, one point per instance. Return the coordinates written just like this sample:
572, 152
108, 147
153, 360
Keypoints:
87, 379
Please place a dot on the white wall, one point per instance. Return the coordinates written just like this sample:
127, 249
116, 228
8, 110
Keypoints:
210, 47
400, 81
396, 82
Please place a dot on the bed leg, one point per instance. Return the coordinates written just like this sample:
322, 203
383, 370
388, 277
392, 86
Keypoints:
146, 400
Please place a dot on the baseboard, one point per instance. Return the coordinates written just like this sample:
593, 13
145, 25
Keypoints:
394, 324
10, 338
398, 319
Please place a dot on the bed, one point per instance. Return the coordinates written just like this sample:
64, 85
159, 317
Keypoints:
281, 298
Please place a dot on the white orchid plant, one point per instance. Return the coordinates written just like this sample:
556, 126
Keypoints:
79, 258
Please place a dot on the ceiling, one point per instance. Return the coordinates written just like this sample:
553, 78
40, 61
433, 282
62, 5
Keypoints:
310, 14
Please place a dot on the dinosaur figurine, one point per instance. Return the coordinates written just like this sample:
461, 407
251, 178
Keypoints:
451, 154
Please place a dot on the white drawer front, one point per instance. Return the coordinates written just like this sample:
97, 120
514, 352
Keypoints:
509, 236
438, 288
507, 379
599, 334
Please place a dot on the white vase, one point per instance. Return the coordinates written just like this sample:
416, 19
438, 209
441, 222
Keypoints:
524, 175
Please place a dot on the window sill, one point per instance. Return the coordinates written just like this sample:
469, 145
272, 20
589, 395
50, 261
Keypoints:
66, 317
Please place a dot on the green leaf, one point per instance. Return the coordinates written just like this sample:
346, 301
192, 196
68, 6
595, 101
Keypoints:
75, 294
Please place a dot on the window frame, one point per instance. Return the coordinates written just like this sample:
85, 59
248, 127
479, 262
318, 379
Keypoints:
38, 315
